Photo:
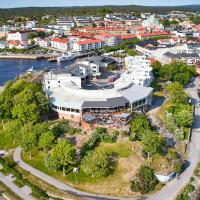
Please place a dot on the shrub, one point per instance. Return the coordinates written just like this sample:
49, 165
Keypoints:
98, 163
109, 138
60, 127
145, 180
90, 144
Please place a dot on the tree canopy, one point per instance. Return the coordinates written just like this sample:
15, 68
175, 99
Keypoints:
23, 101
176, 93
145, 180
98, 163
61, 155
177, 72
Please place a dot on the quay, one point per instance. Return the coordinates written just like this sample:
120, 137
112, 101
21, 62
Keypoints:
23, 56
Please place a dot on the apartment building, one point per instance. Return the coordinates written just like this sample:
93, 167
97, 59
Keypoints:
60, 43
89, 44
18, 39
139, 70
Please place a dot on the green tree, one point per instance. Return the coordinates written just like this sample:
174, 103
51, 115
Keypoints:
61, 156
13, 128
29, 139
46, 140
176, 93
139, 124
184, 118
156, 66
25, 107
152, 143
145, 180
98, 163
177, 72
31, 36
131, 52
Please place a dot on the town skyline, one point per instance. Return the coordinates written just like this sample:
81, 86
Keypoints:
63, 3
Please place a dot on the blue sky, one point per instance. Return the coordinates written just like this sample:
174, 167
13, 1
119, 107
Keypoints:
24, 3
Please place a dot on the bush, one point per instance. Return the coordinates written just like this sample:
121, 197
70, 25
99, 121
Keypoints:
74, 131
109, 138
197, 170
90, 144
60, 127
145, 180
98, 163
178, 167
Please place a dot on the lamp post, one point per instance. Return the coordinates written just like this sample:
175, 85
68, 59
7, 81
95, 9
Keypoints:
75, 171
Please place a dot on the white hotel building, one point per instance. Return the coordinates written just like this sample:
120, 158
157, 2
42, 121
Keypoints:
138, 70
70, 100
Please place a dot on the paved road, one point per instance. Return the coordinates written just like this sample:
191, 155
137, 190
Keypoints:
14, 188
169, 192
174, 187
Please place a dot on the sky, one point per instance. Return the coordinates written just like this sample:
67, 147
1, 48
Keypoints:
26, 3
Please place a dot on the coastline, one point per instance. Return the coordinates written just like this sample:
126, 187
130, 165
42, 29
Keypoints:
23, 56
1, 88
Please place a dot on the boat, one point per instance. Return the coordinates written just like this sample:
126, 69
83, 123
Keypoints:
66, 56
52, 59
30, 70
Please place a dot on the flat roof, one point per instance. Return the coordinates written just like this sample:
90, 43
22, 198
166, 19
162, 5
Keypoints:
73, 97
109, 103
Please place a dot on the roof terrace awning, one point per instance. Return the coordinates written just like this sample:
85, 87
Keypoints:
109, 103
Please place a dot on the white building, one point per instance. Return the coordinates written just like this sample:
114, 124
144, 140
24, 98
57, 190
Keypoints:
111, 40
82, 21
70, 101
43, 42
30, 24
18, 36
18, 40
88, 45
138, 70
60, 43
65, 23
152, 23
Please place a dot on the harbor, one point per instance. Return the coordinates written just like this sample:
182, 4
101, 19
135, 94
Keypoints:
11, 68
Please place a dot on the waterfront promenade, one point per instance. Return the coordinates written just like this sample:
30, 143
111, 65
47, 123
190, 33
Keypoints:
31, 56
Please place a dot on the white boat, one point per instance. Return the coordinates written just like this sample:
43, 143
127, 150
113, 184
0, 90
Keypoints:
30, 70
66, 56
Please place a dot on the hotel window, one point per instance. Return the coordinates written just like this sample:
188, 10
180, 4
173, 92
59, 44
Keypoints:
72, 110
68, 109
76, 110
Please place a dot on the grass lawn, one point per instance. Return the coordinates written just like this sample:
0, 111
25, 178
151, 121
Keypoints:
122, 148
160, 164
117, 184
8, 192
18, 183
6, 142
4, 172
45, 186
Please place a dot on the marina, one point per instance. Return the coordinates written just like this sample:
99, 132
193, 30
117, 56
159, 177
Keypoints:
11, 68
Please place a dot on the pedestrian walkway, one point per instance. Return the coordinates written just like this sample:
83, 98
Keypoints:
14, 188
